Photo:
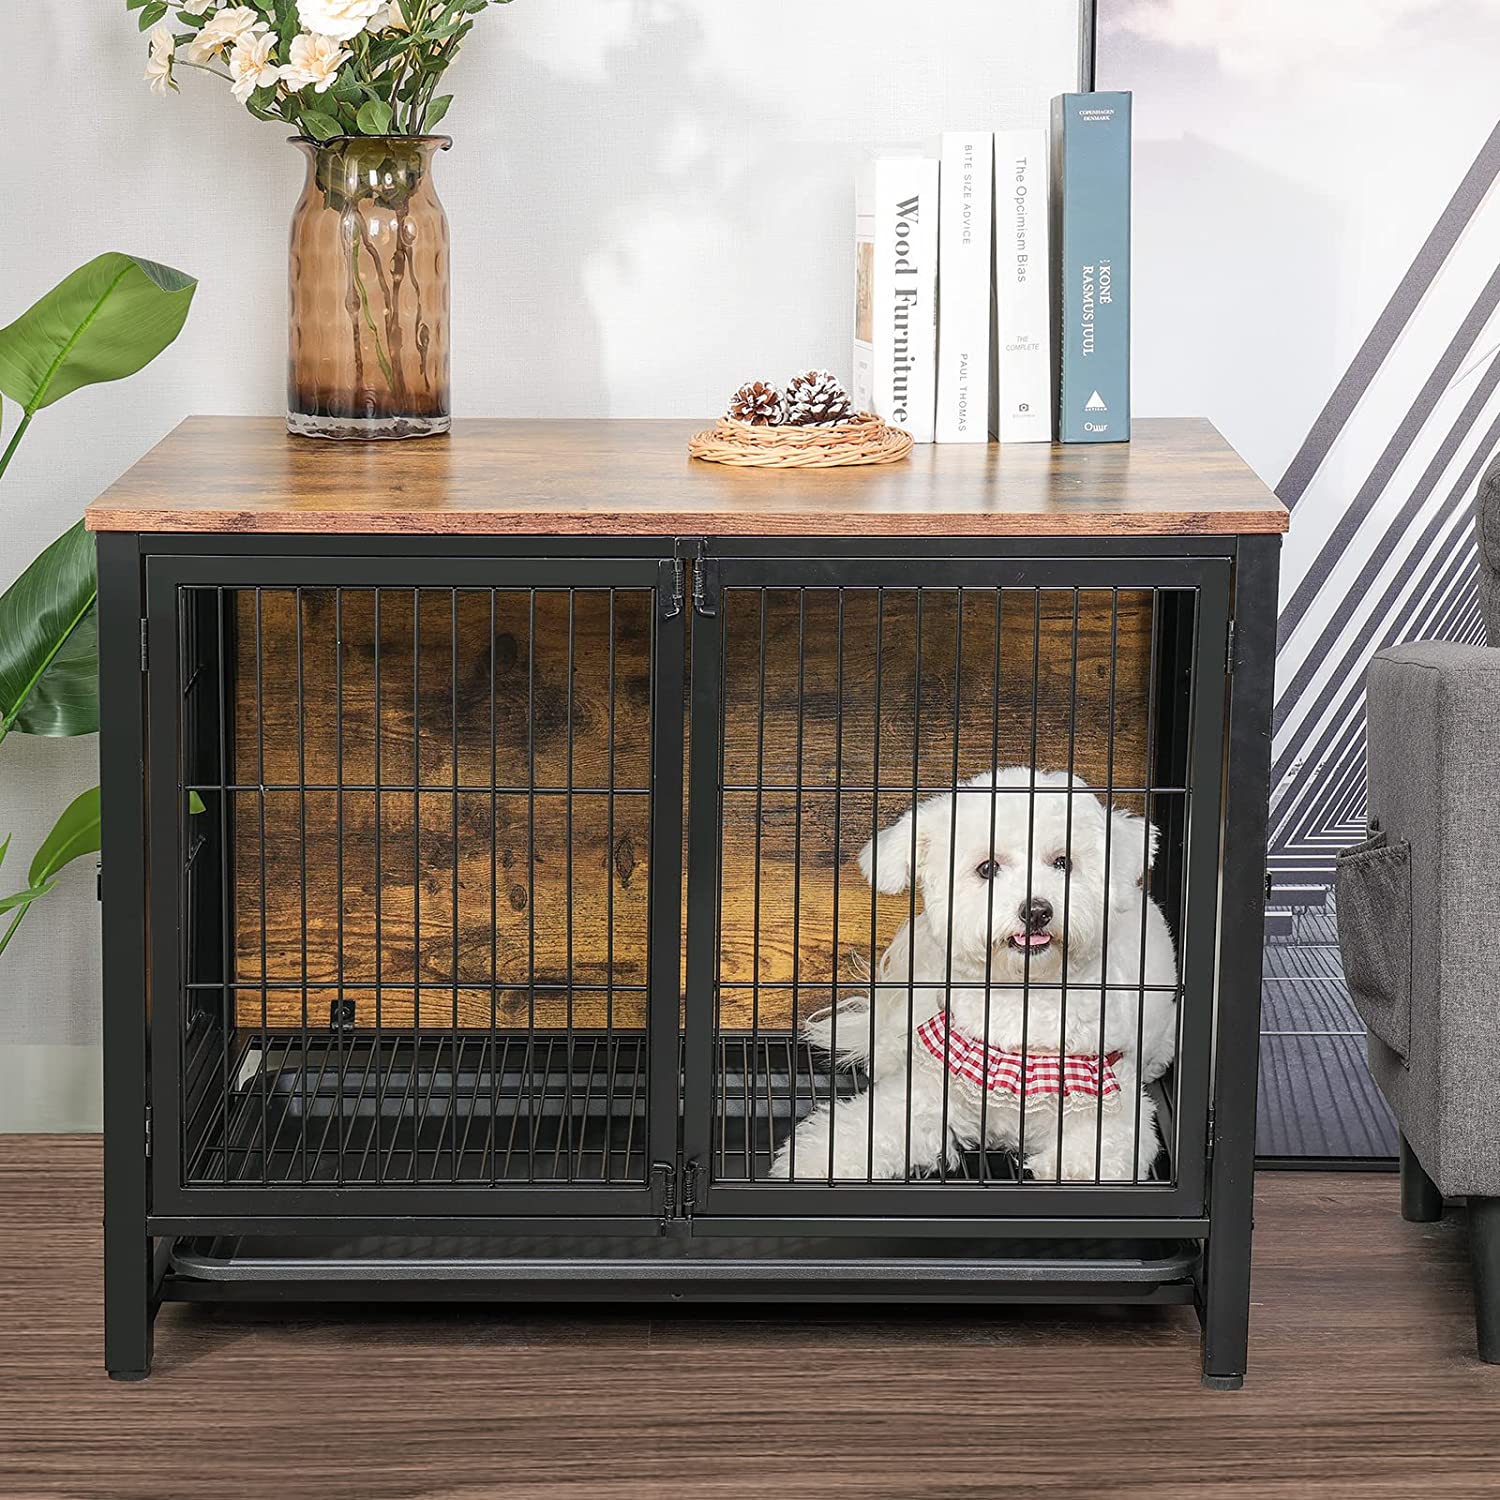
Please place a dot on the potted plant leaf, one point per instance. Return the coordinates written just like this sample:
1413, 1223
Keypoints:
103, 322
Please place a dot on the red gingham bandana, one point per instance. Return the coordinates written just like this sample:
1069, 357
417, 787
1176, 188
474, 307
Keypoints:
1069, 1076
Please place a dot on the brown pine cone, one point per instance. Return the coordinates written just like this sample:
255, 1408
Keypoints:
814, 398
758, 403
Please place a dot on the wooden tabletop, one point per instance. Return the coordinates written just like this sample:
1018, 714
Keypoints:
633, 478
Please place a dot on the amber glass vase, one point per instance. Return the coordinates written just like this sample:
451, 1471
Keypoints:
367, 351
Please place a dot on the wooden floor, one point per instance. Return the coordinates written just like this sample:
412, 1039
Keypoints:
1363, 1383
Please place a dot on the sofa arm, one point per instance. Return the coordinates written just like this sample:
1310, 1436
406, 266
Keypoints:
1433, 727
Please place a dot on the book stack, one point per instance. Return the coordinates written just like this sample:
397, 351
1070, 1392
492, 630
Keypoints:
993, 281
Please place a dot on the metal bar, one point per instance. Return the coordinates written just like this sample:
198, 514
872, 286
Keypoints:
874, 879
124, 883
382, 1072
1109, 828
450, 1113
568, 888
703, 833
797, 875
958, 671
1226, 1289
760, 768
911, 882
609, 895
265, 971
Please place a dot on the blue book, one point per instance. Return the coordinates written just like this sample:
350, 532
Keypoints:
1091, 249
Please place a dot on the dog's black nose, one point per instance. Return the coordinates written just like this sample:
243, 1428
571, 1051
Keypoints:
1036, 913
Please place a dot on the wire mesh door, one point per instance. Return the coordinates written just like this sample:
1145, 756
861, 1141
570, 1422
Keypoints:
953, 884
416, 834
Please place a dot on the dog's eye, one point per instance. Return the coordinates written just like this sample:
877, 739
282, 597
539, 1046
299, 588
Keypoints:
1063, 863
988, 870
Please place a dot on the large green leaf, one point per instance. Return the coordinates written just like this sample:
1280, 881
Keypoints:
74, 835
103, 322
48, 645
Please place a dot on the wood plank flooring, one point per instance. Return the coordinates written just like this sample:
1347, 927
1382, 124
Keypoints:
1363, 1383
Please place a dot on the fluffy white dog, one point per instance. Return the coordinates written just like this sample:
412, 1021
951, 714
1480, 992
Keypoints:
1017, 890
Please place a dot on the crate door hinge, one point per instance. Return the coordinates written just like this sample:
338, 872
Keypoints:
705, 599
145, 647
148, 1132
1229, 651
689, 1189
1208, 1155
664, 1175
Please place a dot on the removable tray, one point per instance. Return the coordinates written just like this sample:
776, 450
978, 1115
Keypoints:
674, 1267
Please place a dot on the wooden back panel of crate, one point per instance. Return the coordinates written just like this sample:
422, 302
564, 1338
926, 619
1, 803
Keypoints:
456, 895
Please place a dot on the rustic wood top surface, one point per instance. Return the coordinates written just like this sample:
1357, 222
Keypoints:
634, 478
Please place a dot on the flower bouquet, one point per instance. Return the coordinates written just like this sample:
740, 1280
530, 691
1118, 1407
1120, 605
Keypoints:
358, 81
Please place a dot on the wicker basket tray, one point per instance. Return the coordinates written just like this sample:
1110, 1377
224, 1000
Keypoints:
865, 440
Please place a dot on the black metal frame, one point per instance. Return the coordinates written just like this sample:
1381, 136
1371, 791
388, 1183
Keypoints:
156, 1228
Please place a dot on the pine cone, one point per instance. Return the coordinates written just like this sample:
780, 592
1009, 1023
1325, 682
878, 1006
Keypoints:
814, 398
759, 404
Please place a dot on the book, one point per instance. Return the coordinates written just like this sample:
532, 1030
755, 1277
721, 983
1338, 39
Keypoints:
965, 194
1021, 400
1091, 259
895, 328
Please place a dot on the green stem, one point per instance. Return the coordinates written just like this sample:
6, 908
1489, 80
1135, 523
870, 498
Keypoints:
10, 931
15, 439
364, 304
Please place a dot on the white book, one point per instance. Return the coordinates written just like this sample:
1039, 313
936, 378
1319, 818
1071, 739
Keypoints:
1022, 401
965, 193
895, 330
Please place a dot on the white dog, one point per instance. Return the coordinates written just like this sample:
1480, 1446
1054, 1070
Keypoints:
1021, 891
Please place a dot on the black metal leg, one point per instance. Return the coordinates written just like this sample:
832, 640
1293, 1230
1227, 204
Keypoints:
129, 1301
1225, 1299
1421, 1202
128, 1270
1484, 1249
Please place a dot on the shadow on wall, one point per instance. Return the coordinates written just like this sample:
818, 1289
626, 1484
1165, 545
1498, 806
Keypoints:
596, 192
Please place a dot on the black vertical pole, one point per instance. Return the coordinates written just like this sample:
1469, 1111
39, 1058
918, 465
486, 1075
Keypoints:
1225, 1304
128, 1279
1088, 44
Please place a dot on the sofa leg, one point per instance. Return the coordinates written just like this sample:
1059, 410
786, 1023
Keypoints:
1484, 1248
1421, 1202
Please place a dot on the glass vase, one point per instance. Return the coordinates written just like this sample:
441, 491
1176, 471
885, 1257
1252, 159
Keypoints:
367, 349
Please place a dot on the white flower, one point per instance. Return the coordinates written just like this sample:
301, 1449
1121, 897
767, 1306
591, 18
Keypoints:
222, 30
159, 63
392, 18
340, 19
251, 67
314, 60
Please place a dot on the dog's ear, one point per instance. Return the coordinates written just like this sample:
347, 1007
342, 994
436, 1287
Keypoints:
1134, 841
886, 860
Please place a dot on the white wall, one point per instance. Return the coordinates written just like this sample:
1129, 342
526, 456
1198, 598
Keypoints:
650, 202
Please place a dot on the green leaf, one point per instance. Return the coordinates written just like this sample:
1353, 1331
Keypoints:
135, 4
195, 806
374, 117
23, 898
319, 126
48, 642
152, 14
75, 834
103, 322
436, 110
4, 845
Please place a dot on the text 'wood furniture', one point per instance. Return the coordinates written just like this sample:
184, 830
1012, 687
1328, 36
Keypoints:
481, 830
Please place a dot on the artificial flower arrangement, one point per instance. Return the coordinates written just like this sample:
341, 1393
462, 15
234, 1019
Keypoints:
328, 67
368, 300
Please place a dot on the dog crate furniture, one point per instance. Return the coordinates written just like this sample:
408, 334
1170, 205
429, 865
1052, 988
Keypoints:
481, 821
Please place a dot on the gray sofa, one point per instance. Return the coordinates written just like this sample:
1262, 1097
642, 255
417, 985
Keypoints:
1419, 918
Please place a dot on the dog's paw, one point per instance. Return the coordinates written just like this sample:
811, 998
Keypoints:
843, 1028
